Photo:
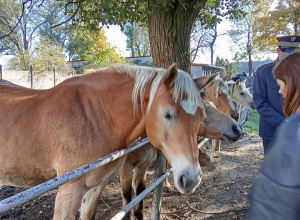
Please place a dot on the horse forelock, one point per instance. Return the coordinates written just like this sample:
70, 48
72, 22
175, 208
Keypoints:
143, 76
184, 85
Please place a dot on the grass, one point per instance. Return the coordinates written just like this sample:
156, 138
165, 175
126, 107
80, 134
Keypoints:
251, 125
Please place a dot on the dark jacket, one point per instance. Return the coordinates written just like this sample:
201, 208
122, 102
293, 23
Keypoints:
268, 101
276, 192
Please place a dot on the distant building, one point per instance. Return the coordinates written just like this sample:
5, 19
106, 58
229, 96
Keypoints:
76, 65
201, 69
141, 61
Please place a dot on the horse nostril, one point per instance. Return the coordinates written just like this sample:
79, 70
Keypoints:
235, 129
182, 181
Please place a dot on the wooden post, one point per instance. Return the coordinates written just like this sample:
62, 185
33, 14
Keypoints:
31, 76
158, 191
54, 75
0, 71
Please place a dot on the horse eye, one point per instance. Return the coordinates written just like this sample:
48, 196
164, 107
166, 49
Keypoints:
242, 93
168, 116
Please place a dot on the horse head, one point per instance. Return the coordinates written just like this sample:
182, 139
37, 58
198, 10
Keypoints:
172, 124
217, 125
240, 94
218, 93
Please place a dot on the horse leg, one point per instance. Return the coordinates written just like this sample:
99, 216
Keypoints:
68, 200
139, 184
126, 185
216, 144
167, 185
89, 203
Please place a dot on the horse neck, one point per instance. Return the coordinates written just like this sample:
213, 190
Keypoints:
211, 96
116, 113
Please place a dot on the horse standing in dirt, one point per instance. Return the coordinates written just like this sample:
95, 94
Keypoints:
46, 133
216, 125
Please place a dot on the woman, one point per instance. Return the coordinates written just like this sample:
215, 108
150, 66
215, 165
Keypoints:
276, 192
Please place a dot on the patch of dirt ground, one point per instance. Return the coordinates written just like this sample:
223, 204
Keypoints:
223, 193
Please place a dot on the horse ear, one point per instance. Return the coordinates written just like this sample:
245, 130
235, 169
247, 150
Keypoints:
237, 82
203, 81
225, 77
170, 76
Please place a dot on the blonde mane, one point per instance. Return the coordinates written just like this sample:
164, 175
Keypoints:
144, 75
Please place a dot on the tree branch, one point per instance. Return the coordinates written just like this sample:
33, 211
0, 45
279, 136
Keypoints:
70, 18
19, 20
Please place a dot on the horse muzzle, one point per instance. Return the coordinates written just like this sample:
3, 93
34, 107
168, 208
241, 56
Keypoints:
187, 180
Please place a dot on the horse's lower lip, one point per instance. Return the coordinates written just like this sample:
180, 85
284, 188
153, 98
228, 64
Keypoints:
229, 138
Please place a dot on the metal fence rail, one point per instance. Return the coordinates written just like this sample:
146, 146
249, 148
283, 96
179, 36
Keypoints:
38, 190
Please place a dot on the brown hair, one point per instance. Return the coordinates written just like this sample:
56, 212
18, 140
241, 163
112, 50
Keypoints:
288, 71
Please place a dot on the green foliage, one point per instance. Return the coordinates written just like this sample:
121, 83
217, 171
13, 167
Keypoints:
270, 22
101, 53
48, 57
251, 125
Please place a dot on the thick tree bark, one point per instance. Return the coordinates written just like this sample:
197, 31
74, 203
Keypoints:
170, 32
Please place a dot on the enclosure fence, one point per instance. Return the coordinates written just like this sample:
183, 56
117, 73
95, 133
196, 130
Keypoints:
38, 190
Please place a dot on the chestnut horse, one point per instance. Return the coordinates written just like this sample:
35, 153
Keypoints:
218, 93
46, 133
216, 125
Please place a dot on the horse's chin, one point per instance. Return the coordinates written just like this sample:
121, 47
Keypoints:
230, 139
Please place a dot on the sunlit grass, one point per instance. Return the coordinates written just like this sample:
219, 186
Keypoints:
251, 125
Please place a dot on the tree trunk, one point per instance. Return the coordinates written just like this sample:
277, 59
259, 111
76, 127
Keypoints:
170, 32
212, 43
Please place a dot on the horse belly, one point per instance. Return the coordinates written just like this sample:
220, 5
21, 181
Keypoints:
23, 180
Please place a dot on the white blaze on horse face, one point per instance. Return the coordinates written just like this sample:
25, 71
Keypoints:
188, 107
187, 176
225, 90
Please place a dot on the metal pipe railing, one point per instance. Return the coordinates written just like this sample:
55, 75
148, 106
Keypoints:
38, 190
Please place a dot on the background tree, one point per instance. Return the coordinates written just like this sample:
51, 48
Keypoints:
102, 53
228, 67
22, 24
209, 17
270, 22
137, 39
242, 36
169, 23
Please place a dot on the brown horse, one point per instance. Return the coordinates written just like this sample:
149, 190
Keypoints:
46, 133
216, 125
218, 93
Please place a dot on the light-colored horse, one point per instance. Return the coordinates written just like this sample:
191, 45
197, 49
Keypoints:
240, 95
218, 93
216, 125
46, 133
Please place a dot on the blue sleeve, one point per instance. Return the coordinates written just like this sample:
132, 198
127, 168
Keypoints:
260, 98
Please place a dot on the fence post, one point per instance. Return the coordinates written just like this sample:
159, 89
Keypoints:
158, 191
0, 71
31, 77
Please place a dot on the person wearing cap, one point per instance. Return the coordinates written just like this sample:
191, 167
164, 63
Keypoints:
266, 96
276, 190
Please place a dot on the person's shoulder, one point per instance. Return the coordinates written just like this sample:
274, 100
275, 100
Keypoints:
268, 65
